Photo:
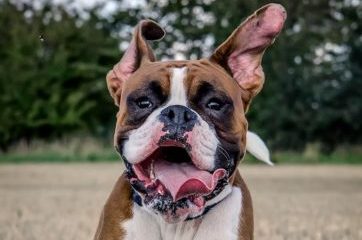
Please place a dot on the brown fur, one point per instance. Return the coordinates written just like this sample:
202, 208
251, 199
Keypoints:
246, 221
117, 209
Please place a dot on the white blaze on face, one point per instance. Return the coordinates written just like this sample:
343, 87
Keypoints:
178, 91
202, 139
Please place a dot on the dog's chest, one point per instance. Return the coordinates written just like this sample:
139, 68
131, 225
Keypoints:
221, 222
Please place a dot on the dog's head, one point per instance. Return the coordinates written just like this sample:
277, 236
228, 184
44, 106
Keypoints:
181, 126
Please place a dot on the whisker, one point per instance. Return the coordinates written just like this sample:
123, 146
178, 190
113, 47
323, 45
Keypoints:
224, 153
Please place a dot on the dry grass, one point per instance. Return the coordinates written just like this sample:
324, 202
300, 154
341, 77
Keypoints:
63, 201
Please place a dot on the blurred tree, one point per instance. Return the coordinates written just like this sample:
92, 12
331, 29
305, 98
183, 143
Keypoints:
56, 85
52, 69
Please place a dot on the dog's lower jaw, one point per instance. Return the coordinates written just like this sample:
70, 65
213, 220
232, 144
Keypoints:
182, 211
221, 222
153, 196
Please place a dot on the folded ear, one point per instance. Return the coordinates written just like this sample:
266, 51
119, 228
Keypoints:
242, 52
137, 53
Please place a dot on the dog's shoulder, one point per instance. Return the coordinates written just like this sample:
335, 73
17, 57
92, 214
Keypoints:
117, 209
246, 223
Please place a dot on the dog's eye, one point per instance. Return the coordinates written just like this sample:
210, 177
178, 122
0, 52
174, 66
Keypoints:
144, 102
215, 104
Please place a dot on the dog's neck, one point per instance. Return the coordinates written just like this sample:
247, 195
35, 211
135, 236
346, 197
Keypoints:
138, 200
221, 222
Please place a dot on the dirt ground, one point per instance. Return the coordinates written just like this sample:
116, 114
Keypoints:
63, 201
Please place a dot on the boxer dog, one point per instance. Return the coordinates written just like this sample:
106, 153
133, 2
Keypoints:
181, 131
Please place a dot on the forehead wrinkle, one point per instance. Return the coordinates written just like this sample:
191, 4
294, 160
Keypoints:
215, 75
197, 78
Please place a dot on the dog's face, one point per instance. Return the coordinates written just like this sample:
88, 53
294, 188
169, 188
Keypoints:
181, 125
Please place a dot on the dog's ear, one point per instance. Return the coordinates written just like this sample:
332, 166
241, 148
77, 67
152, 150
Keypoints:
242, 52
137, 53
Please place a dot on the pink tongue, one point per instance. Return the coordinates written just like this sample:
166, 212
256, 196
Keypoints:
183, 179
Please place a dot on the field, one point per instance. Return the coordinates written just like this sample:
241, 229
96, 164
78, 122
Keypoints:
63, 201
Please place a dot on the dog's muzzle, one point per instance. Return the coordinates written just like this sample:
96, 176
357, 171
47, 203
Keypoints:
176, 177
178, 120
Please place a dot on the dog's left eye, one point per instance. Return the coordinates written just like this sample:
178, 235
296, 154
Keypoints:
215, 104
144, 102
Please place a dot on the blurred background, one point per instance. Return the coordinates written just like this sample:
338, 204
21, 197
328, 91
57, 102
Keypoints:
55, 54
55, 108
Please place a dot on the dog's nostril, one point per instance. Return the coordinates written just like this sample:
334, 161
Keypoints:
177, 114
171, 114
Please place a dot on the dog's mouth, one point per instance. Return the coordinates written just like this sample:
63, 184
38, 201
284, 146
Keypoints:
170, 170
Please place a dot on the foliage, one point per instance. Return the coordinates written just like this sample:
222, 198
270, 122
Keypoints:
65, 149
56, 86
52, 72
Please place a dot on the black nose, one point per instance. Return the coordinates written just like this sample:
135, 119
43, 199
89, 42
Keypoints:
179, 118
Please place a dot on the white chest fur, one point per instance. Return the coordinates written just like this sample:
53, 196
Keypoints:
221, 222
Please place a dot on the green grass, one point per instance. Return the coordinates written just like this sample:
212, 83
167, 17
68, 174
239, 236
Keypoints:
92, 150
50, 156
75, 149
312, 155
299, 158
333, 158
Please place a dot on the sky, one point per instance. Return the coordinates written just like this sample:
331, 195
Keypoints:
108, 5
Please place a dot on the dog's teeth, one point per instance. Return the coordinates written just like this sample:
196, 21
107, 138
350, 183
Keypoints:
152, 173
160, 190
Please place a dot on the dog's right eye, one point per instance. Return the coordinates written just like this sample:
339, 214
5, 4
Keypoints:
215, 104
144, 102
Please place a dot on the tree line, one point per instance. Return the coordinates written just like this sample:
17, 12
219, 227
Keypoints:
53, 62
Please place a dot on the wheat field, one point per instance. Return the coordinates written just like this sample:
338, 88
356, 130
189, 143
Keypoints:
63, 201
